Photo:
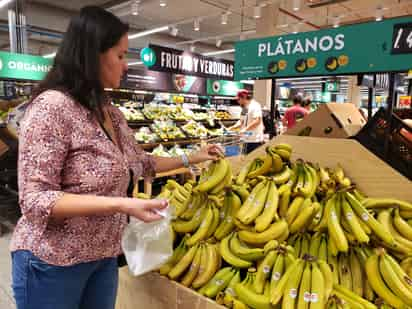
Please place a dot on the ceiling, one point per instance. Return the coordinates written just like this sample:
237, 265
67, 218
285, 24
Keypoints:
51, 18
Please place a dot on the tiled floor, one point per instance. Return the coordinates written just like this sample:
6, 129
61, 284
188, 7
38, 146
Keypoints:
6, 298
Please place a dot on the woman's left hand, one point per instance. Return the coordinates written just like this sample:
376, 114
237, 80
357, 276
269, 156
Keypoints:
209, 152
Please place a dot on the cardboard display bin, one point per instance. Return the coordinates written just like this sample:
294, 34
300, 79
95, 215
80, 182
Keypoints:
333, 120
373, 177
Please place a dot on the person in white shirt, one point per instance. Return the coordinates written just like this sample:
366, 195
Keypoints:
251, 122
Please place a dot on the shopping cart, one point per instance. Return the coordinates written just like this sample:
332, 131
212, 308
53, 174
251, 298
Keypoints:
233, 144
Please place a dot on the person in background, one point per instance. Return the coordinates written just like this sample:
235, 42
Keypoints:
78, 163
251, 122
295, 113
307, 104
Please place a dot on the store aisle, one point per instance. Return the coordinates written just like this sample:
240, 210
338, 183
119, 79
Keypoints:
6, 298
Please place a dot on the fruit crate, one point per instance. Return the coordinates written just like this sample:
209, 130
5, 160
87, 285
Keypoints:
373, 136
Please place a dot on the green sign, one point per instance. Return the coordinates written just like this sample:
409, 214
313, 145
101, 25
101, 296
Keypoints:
20, 66
332, 86
148, 56
223, 87
361, 48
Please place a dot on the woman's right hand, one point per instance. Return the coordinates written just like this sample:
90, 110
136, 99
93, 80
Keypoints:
143, 209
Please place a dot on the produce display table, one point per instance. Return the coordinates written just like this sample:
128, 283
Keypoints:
373, 177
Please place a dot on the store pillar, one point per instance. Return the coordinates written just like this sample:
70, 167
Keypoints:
354, 95
266, 26
17, 27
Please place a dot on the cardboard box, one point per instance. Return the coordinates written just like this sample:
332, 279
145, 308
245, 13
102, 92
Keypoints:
373, 176
333, 120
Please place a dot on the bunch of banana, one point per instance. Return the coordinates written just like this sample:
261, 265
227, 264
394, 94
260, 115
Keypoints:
231, 205
179, 196
332, 180
218, 172
389, 281
305, 181
196, 266
406, 265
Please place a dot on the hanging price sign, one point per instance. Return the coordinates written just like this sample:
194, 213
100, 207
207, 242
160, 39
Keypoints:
402, 38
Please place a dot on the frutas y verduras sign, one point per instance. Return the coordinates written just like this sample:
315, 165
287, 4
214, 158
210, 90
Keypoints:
384, 46
164, 59
25, 67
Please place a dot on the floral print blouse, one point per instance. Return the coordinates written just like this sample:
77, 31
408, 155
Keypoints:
63, 148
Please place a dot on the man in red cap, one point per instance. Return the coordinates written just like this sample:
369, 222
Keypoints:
250, 123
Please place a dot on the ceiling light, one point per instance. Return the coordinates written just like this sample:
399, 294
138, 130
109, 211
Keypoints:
51, 55
219, 52
257, 12
192, 48
295, 28
4, 2
224, 18
163, 3
174, 31
135, 7
218, 43
135, 63
296, 5
196, 25
148, 32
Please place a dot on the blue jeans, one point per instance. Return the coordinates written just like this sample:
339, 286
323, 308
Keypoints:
38, 285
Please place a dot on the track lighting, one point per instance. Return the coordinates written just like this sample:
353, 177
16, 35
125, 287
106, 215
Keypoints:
163, 3
257, 11
224, 18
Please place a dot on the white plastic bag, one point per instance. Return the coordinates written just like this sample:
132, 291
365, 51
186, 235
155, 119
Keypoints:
147, 246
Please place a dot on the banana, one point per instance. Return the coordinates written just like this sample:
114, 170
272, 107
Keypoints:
177, 255
282, 284
304, 296
277, 163
184, 263
402, 226
219, 173
323, 249
386, 203
406, 214
227, 180
241, 178
347, 299
241, 226
283, 153
264, 271
402, 243
284, 202
229, 257
357, 273
353, 297
345, 274
243, 251
359, 195
333, 263
304, 245
291, 289
323, 224
338, 174
332, 247
376, 281
210, 266
241, 191
283, 176
192, 208
315, 179
305, 217
193, 269
251, 298
181, 226
315, 244
277, 271
298, 245
294, 208
327, 278
335, 229
249, 203
269, 213
284, 146
257, 207
394, 282
230, 290
273, 232
264, 169
227, 224
237, 304
353, 222
309, 183
215, 222
203, 230
375, 226
219, 282
318, 293
318, 217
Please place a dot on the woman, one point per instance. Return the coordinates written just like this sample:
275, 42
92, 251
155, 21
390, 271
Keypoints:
77, 160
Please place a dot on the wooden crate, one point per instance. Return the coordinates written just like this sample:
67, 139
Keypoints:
373, 176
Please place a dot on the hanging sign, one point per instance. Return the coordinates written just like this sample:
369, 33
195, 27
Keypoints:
164, 59
362, 48
23, 67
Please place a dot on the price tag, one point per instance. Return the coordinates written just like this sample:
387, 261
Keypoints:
402, 38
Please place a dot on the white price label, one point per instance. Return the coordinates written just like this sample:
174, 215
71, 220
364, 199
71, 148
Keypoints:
349, 216
314, 297
365, 216
293, 293
219, 282
276, 276
266, 269
333, 215
307, 297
